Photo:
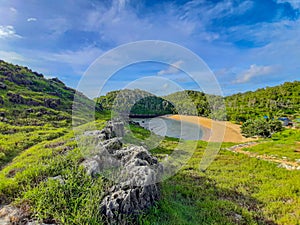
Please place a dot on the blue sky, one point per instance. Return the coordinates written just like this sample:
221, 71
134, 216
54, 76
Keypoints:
247, 44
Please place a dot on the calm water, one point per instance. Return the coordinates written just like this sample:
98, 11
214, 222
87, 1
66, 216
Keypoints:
171, 128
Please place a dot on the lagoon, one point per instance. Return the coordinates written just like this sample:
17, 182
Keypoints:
164, 126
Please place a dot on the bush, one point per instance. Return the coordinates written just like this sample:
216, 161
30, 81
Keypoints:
261, 127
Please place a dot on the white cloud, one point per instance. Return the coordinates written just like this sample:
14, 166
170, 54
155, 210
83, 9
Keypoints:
254, 71
172, 69
81, 57
12, 57
12, 9
31, 19
294, 3
8, 32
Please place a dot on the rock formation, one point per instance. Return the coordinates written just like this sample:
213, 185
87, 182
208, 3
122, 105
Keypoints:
133, 169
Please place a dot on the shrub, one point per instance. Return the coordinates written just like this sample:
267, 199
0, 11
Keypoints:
261, 127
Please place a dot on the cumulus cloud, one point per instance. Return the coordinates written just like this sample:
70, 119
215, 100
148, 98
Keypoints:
172, 69
31, 19
8, 32
254, 71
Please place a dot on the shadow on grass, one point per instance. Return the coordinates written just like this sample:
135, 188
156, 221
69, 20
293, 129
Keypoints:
191, 198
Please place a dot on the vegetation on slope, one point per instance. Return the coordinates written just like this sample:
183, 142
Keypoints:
135, 103
282, 100
278, 101
273, 102
32, 109
198, 104
27, 98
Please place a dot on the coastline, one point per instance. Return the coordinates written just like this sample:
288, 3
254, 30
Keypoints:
214, 130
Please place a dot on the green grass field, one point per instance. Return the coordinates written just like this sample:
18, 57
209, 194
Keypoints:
284, 144
235, 189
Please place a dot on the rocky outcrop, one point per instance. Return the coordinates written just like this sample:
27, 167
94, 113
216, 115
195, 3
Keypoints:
133, 170
51, 103
15, 98
2, 86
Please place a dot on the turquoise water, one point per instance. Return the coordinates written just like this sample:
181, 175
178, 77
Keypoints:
171, 128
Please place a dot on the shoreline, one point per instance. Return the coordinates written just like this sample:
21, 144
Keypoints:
214, 130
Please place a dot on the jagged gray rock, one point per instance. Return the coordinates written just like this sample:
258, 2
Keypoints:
114, 129
133, 169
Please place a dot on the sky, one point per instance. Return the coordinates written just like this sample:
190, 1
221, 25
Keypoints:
247, 44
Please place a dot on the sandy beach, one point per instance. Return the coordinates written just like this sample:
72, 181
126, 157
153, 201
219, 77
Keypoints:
215, 131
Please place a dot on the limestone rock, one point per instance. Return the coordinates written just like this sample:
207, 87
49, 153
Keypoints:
11, 215
133, 169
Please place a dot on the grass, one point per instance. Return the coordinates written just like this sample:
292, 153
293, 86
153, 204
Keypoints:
235, 189
15, 139
285, 144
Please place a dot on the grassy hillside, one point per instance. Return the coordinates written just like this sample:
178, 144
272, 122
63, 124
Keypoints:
32, 109
28, 98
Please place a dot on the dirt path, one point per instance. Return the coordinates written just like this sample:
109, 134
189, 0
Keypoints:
215, 131
282, 163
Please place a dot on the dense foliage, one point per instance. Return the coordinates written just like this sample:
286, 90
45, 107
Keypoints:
282, 100
135, 103
261, 127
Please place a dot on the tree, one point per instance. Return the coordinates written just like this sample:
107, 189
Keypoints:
261, 127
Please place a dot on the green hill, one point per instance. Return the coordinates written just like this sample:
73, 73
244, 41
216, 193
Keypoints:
32, 109
28, 98
278, 101
136, 103
282, 100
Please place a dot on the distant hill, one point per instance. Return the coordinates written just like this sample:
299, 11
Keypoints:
278, 101
135, 103
28, 98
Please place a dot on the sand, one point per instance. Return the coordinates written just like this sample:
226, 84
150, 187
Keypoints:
215, 131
